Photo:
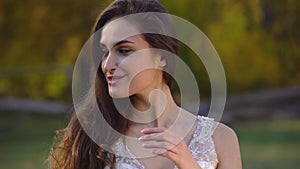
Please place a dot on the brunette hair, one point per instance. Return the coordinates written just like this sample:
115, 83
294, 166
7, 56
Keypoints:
74, 149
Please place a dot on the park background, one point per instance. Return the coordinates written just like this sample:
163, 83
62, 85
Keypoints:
258, 42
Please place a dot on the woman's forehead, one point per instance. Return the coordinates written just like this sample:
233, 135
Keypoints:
116, 31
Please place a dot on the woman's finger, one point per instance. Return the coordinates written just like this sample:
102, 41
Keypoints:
159, 134
160, 137
153, 130
161, 145
173, 154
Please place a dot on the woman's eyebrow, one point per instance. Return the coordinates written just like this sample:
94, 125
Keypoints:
103, 46
122, 42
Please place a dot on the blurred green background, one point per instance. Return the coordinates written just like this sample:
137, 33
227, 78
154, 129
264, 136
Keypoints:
258, 42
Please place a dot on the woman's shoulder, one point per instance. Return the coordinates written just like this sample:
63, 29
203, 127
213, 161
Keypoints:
227, 145
223, 131
217, 130
224, 136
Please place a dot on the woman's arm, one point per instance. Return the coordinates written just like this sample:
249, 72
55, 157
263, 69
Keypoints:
227, 147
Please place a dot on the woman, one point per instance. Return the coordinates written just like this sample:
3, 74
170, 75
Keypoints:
131, 68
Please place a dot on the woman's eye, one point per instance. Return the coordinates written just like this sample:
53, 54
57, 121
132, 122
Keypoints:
124, 51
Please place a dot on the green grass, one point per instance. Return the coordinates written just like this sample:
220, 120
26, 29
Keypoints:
270, 144
25, 140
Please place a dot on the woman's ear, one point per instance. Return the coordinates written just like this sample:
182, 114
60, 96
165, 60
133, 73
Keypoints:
161, 62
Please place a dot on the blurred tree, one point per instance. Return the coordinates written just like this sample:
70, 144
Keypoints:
41, 40
258, 42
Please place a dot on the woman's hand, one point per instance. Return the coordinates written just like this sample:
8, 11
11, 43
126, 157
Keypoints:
166, 144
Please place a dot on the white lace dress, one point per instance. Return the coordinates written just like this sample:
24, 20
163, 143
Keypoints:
201, 146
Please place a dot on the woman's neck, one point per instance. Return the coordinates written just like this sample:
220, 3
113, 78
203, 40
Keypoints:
158, 109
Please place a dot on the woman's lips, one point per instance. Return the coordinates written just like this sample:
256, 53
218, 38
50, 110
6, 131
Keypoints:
113, 79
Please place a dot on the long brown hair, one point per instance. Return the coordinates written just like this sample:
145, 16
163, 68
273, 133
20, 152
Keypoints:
73, 148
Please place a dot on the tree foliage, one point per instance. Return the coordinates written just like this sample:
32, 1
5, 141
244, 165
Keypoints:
258, 42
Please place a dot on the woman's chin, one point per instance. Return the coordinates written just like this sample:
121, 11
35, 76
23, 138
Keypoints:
117, 95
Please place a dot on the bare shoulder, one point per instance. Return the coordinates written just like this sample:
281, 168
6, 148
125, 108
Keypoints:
223, 132
227, 147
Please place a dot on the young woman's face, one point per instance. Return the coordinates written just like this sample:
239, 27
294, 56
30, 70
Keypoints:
129, 65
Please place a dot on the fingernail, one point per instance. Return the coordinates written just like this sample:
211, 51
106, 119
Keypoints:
141, 138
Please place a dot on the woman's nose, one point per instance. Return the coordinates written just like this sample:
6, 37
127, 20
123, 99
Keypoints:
110, 63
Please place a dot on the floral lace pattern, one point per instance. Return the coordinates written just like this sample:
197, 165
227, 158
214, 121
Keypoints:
201, 146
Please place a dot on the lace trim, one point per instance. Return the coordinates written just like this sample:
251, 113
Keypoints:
125, 162
201, 146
